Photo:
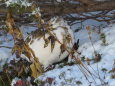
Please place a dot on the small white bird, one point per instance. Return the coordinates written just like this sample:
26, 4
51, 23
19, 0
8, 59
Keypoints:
46, 54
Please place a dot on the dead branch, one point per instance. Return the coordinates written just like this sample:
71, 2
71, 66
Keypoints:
49, 8
20, 46
67, 8
6, 47
87, 2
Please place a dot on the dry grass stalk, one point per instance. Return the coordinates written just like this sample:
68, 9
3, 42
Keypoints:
20, 47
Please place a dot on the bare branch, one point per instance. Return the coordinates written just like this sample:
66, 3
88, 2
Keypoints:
6, 47
87, 2
67, 8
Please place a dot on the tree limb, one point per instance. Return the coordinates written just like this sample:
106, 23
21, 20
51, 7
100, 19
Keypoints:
65, 8
87, 2
71, 8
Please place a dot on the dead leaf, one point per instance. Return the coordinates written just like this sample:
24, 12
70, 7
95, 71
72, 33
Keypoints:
20, 45
69, 38
21, 70
97, 57
35, 67
50, 80
88, 27
62, 47
19, 83
53, 40
47, 41
88, 61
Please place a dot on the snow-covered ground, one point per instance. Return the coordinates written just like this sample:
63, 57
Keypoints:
102, 73
71, 75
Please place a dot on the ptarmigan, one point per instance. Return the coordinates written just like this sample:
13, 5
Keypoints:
45, 55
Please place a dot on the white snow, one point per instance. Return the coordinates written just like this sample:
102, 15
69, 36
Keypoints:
59, 0
5, 53
70, 75
83, 36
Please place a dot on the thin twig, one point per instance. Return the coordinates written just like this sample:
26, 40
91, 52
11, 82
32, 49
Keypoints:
6, 47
